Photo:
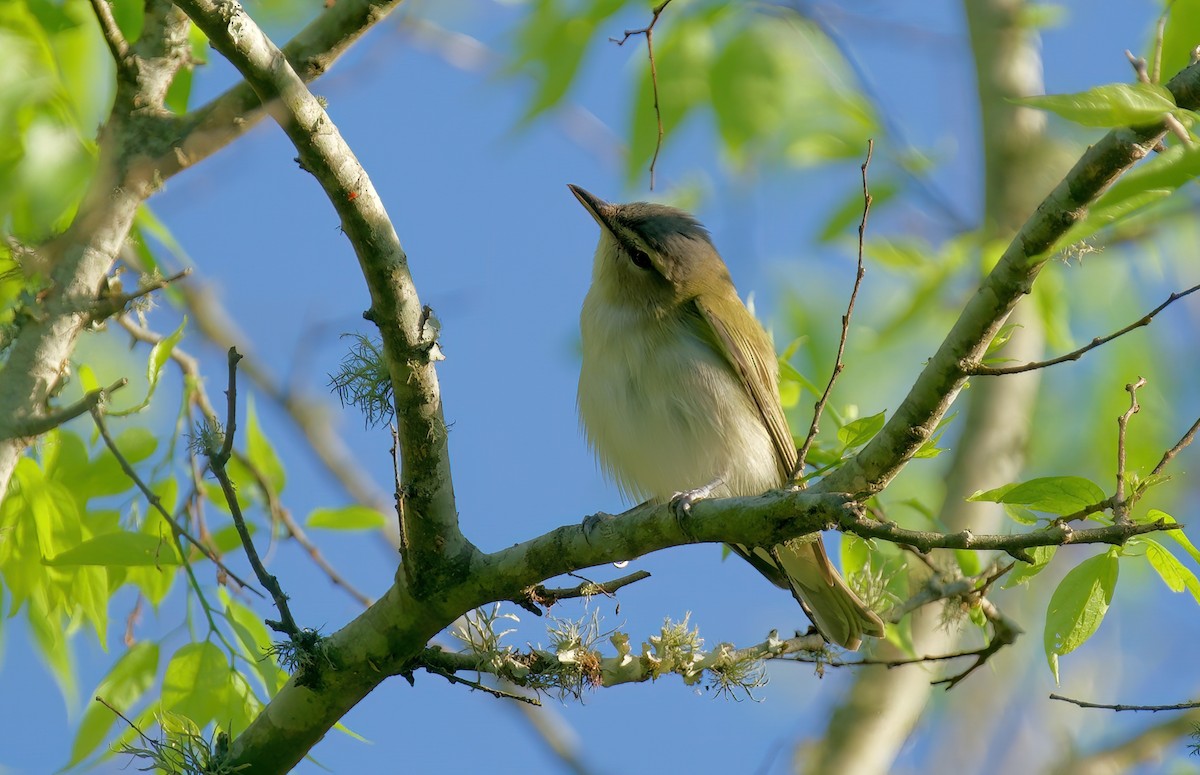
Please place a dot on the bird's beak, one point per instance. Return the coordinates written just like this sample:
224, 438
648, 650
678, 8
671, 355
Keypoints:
602, 211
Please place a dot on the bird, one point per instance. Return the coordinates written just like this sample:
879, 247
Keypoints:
679, 398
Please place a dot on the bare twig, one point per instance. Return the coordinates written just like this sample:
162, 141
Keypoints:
838, 366
980, 370
1120, 708
1059, 533
648, 31
284, 515
217, 460
1170, 454
112, 35
498, 693
1120, 504
107, 306
543, 596
91, 400
154, 500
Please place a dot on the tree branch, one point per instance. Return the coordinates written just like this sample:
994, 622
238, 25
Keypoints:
916, 419
648, 31
982, 370
838, 366
405, 326
311, 52
217, 458
91, 400
1121, 708
156, 502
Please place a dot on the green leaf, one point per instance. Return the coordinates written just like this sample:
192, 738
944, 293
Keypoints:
261, 453
1179, 36
856, 554
1023, 572
160, 353
346, 518
859, 432
196, 683
50, 634
1179, 536
1078, 606
256, 642
1061, 495
1111, 105
747, 79
122, 688
119, 549
1174, 574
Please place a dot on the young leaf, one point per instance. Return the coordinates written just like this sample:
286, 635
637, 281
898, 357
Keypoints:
1078, 606
118, 549
1174, 574
859, 432
1023, 572
1111, 105
196, 683
1180, 537
124, 685
1061, 495
347, 518
261, 453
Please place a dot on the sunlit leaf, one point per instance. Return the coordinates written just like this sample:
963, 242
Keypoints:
119, 549
1078, 605
122, 687
1023, 572
1061, 495
859, 432
196, 683
261, 453
353, 517
1111, 105
1174, 574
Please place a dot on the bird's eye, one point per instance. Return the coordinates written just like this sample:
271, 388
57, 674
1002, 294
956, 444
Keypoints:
639, 258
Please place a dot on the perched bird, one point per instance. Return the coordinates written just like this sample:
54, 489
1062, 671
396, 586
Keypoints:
678, 392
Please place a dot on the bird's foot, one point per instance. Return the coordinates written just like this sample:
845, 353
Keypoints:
681, 502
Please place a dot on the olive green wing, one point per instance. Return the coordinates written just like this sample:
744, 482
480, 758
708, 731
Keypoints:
748, 349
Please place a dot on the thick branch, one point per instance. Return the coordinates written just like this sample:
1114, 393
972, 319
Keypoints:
963, 348
311, 52
406, 328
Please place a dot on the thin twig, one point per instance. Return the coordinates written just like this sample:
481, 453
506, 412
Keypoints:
112, 33
1120, 708
91, 400
106, 704
1058, 533
154, 501
1120, 505
980, 370
648, 31
548, 596
838, 366
498, 693
217, 460
1159, 29
284, 515
107, 306
1170, 454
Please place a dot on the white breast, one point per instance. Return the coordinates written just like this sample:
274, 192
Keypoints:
664, 412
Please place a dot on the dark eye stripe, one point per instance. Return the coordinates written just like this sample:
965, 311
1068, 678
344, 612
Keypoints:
639, 258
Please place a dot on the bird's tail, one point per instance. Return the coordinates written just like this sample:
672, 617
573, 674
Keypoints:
805, 569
